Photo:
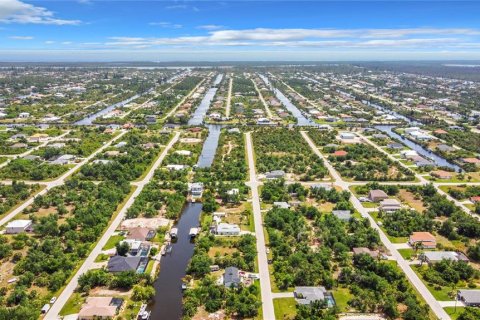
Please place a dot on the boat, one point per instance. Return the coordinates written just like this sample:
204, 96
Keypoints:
174, 232
143, 314
193, 232
184, 286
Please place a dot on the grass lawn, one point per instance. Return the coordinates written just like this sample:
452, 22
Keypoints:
101, 257
149, 268
112, 242
406, 253
452, 313
285, 308
440, 295
73, 305
342, 296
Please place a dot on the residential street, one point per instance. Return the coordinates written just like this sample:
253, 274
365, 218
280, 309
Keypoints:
265, 287
89, 261
402, 263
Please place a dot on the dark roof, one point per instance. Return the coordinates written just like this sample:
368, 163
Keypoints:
231, 276
120, 263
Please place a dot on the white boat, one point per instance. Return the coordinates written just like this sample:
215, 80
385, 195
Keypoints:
193, 232
173, 232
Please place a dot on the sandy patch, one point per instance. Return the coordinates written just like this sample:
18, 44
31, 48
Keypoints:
152, 223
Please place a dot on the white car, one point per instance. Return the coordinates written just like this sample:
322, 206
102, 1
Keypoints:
52, 301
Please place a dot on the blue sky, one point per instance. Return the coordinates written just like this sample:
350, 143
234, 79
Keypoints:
89, 30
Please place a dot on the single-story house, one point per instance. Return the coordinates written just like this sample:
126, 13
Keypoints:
281, 204
471, 297
307, 295
231, 277
474, 161
120, 263
475, 199
275, 174
100, 308
196, 189
227, 229
395, 146
340, 153
18, 226
445, 148
390, 205
408, 153
377, 195
441, 174
347, 136
344, 215
141, 234
325, 186
432, 257
426, 238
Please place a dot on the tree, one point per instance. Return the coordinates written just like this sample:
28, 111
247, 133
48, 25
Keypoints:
122, 248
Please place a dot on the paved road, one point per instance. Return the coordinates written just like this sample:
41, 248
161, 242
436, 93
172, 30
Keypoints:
174, 109
265, 287
89, 262
402, 263
59, 181
229, 97
265, 105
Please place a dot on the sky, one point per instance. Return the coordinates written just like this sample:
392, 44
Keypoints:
90, 30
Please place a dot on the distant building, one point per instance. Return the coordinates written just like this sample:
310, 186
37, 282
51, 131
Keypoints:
441, 174
120, 263
307, 295
275, 174
362, 250
344, 215
196, 189
281, 204
18, 226
227, 229
377, 195
231, 277
390, 205
471, 298
432, 257
347, 136
96, 308
427, 240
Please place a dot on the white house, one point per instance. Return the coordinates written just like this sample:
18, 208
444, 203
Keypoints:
24, 115
347, 135
227, 229
18, 226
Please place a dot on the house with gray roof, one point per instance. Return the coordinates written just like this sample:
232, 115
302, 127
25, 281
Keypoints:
231, 277
307, 295
471, 298
432, 257
344, 215
121, 263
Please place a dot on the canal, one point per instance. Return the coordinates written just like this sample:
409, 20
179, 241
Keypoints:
167, 303
202, 109
301, 119
87, 121
439, 161
210, 146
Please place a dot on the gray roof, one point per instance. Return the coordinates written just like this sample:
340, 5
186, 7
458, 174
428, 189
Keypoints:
445, 148
307, 295
120, 263
342, 214
231, 276
395, 145
445, 255
469, 296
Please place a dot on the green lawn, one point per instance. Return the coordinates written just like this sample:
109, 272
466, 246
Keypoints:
73, 305
149, 268
285, 308
406, 253
342, 296
452, 313
101, 257
112, 242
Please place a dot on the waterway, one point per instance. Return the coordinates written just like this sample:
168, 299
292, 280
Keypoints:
209, 146
301, 119
202, 109
87, 121
418, 148
167, 303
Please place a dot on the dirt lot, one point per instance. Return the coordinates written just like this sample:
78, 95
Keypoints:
152, 223
409, 198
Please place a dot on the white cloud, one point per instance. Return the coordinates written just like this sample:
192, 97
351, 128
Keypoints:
181, 7
16, 11
49, 42
67, 42
21, 37
165, 24
210, 27
328, 38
